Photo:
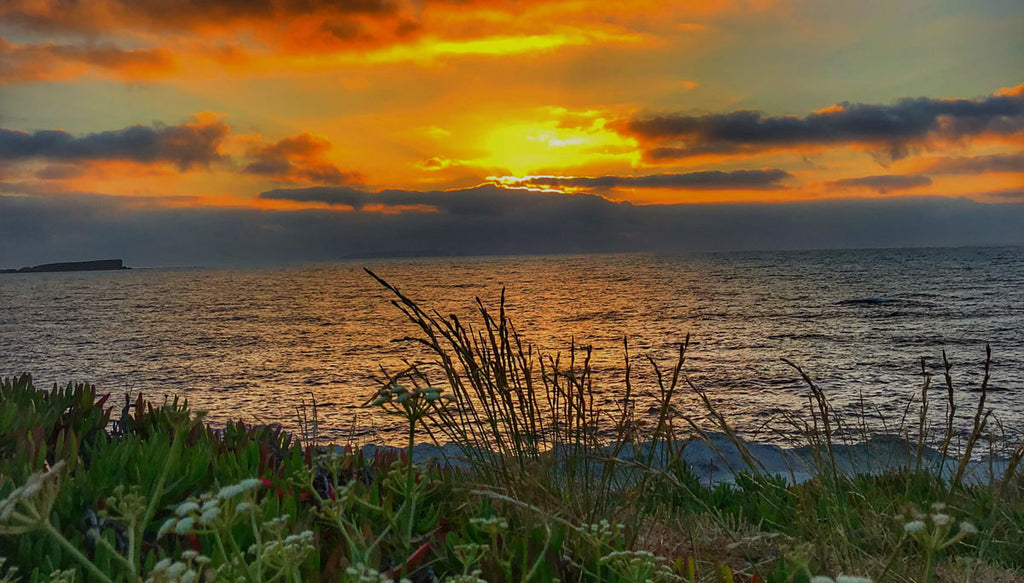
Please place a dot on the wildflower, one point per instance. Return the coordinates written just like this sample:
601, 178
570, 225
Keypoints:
251, 483
209, 515
822, 579
166, 527
968, 528
228, 492
852, 579
914, 526
244, 507
184, 525
189, 555
28, 508
186, 508
941, 519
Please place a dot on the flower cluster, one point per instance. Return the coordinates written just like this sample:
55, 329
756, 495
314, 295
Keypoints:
285, 553
493, 525
841, 579
934, 531
638, 566
603, 531
414, 401
27, 508
203, 513
188, 569
360, 573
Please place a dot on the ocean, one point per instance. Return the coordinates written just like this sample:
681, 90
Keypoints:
259, 343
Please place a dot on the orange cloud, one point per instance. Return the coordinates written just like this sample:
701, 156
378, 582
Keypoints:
297, 159
281, 36
49, 61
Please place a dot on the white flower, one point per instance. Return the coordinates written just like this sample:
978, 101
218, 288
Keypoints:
852, 579
186, 508
941, 519
231, 491
822, 579
244, 507
189, 555
914, 526
177, 569
166, 527
184, 525
251, 483
968, 528
209, 515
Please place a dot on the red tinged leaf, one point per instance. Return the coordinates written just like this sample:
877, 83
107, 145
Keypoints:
414, 559
417, 556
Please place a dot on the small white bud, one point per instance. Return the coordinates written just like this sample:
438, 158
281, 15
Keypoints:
914, 526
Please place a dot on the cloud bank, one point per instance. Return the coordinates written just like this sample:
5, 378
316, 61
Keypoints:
187, 145
482, 221
891, 128
882, 184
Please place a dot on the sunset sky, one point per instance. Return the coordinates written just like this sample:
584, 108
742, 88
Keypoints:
218, 131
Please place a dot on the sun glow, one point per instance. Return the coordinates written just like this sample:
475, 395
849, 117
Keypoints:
539, 148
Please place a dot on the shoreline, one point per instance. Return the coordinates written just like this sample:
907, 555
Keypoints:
720, 462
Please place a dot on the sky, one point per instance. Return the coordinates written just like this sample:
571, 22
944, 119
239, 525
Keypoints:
171, 132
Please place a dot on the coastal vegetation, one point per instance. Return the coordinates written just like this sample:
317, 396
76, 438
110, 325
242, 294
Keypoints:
540, 481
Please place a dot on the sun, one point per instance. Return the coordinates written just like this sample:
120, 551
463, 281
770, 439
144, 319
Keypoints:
545, 146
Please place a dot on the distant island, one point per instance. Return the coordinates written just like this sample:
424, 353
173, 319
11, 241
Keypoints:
97, 265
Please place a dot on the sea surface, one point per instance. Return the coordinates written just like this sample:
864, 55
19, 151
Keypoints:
260, 343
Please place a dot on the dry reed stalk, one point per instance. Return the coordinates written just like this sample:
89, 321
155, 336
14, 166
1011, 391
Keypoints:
922, 426
980, 420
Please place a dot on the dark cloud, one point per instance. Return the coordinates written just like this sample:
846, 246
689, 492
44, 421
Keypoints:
49, 61
482, 221
48, 15
194, 143
892, 128
881, 184
764, 179
481, 201
297, 159
978, 164
1009, 195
